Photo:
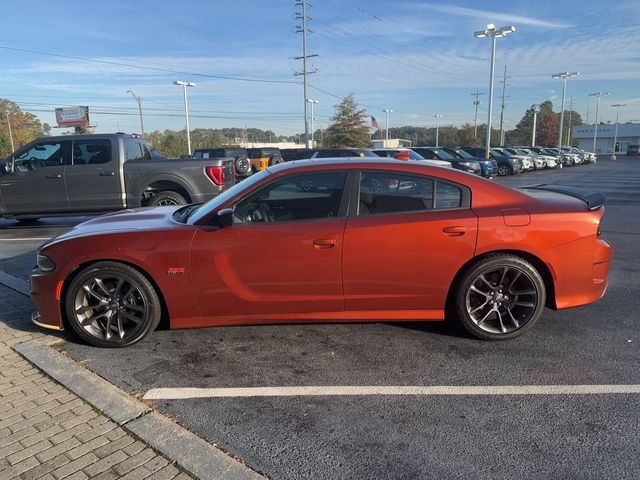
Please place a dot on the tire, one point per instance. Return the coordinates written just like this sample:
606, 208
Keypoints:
242, 165
505, 169
103, 300
168, 197
500, 297
27, 220
276, 161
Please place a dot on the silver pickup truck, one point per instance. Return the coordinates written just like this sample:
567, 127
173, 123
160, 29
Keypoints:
82, 174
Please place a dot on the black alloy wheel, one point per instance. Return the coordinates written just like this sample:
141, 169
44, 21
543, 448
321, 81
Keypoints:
110, 304
167, 198
500, 297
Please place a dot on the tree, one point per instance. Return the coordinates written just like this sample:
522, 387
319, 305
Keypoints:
348, 127
547, 129
25, 127
468, 138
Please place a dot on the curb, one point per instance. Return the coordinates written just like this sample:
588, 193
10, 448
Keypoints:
190, 452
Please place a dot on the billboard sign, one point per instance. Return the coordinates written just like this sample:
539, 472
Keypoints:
72, 116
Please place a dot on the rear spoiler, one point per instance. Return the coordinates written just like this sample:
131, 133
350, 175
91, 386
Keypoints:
594, 200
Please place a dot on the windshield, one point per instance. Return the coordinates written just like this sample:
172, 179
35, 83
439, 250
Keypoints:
460, 153
442, 155
213, 204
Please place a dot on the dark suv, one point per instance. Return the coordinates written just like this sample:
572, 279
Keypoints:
489, 167
506, 165
633, 150
241, 161
436, 153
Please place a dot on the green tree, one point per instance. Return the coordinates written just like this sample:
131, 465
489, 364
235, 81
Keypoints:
348, 127
25, 127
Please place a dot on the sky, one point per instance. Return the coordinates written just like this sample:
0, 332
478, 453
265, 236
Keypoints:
417, 58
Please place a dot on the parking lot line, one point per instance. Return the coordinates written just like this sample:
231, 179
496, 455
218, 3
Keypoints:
186, 393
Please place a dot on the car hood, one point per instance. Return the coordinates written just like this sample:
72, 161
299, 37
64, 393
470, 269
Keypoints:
141, 219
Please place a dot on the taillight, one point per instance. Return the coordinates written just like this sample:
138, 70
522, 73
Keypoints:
215, 174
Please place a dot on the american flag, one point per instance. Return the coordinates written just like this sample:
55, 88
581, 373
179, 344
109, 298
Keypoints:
374, 123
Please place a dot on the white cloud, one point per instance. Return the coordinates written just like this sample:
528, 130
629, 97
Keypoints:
489, 16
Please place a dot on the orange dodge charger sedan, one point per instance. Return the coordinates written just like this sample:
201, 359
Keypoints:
331, 240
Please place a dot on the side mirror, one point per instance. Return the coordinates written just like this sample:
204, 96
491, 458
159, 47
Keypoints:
225, 217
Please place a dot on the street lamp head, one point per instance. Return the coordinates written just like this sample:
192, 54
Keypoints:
492, 31
599, 94
387, 110
619, 105
438, 116
184, 84
312, 101
564, 75
536, 108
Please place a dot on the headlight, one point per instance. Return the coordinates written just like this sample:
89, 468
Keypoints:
45, 264
467, 164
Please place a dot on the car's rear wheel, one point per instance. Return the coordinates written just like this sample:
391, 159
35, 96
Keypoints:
276, 161
500, 297
110, 304
504, 169
167, 198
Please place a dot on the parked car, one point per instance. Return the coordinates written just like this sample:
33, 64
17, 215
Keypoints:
549, 156
527, 160
585, 157
290, 154
541, 161
82, 174
489, 167
239, 155
408, 154
372, 240
633, 150
261, 158
507, 165
342, 152
569, 158
434, 153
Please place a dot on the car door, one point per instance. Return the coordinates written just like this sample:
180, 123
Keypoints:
93, 177
410, 236
283, 253
35, 180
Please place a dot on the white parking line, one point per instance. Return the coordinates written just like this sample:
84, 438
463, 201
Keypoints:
186, 393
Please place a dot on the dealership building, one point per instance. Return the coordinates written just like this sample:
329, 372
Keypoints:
628, 134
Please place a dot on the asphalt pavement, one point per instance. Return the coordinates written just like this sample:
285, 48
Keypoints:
409, 436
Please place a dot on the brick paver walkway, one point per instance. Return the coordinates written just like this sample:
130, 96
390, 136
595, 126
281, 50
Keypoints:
46, 431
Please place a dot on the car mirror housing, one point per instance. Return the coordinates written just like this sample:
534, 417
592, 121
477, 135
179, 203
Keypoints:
225, 217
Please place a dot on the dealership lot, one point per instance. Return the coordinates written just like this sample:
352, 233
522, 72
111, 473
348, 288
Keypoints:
358, 434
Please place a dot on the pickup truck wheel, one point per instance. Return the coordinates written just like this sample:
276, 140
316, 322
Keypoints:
242, 165
109, 304
165, 198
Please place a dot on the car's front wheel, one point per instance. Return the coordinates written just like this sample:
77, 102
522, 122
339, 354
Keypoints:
505, 169
500, 297
110, 304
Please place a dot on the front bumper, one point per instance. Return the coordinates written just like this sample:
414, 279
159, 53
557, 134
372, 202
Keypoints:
45, 291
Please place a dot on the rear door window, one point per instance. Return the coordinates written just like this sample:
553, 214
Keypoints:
90, 152
391, 192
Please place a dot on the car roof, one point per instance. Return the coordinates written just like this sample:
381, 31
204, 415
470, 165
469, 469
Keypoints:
349, 163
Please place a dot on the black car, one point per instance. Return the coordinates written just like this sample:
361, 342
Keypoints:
633, 150
506, 165
241, 160
436, 153
489, 167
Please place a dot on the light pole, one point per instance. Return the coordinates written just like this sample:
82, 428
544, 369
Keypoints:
184, 86
598, 95
387, 111
617, 106
10, 133
536, 110
494, 33
438, 117
139, 101
564, 76
312, 102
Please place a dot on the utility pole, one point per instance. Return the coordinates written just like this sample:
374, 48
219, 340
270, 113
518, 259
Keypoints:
504, 87
438, 117
476, 102
598, 95
302, 15
10, 133
588, 111
387, 111
617, 106
570, 113
536, 110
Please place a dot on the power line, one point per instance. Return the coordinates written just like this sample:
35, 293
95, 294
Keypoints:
143, 67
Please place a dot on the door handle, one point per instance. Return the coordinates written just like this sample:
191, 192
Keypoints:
53, 176
106, 174
324, 243
455, 231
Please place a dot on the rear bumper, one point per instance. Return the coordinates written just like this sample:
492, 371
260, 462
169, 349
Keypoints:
580, 270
